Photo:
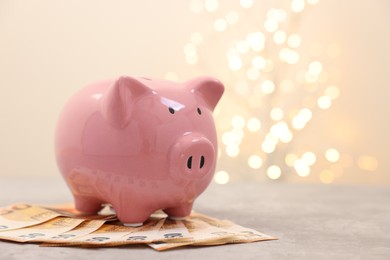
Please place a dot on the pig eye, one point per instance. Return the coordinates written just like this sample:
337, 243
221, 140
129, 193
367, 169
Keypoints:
171, 110
199, 111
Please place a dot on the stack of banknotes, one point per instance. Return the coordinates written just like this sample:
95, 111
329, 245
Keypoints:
61, 225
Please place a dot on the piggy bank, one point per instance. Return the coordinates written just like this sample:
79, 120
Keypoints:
139, 144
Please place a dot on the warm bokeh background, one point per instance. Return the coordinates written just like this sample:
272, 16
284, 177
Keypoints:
335, 67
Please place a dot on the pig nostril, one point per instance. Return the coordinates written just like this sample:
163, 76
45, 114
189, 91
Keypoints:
201, 161
189, 162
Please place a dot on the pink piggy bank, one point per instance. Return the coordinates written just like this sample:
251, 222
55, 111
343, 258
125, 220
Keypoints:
139, 144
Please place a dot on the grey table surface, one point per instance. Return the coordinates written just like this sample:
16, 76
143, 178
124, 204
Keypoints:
311, 222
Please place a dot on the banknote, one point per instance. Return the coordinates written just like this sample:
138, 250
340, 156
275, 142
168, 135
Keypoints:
241, 234
115, 234
200, 232
42, 231
208, 231
62, 225
68, 210
85, 228
23, 215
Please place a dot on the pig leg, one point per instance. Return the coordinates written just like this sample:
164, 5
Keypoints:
180, 211
132, 215
87, 205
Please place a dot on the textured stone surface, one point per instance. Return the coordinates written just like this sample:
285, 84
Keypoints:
311, 222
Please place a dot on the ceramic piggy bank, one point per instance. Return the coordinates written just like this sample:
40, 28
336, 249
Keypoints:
139, 144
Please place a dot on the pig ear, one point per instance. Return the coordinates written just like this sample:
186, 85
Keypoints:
116, 103
210, 89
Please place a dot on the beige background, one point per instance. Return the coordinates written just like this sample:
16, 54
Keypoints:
49, 49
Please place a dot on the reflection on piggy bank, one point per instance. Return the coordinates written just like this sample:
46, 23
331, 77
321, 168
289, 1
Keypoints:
139, 144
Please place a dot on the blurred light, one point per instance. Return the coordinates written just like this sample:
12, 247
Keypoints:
196, 6
310, 78
192, 59
255, 162
235, 62
232, 17
367, 163
332, 92
196, 38
279, 129
289, 56
290, 159
232, 138
279, 37
211, 5
171, 76
246, 3
271, 25
326, 176
256, 41
269, 66
232, 150
268, 146
220, 25
238, 122
268, 86
300, 120
315, 67
258, 62
297, 5
276, 113
221, 177
312, 2
253, 73
332, 155
278, 15
306, 114
294, 41
190, 49
287, 137
286, 85
309, 158
301, 168
298, 123
253, 124
243, 46
274, 172
219, 153
324, 102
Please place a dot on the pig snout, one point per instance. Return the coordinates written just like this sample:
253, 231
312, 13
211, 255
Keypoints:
192, 157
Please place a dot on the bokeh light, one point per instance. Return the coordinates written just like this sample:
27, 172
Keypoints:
196, 6
255, 161
246, 3
367, 163
221, 177
327, 177
278, 88
297, 6
274, 172
253, 124
220, 25
211, 5
332, 155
